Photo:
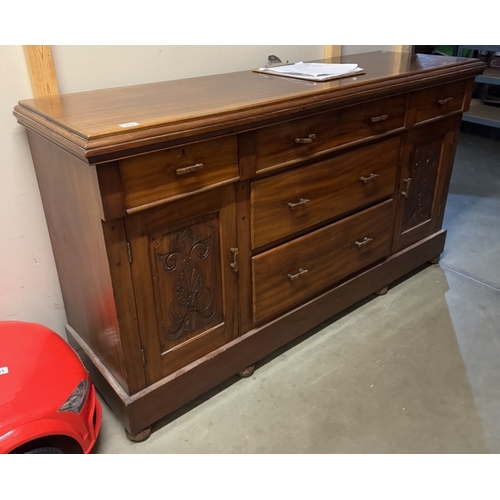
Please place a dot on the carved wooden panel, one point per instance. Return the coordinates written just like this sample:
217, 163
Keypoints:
186, 274
426, 170
184, 285
420, 185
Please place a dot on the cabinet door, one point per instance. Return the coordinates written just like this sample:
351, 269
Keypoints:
184, 279
427, 164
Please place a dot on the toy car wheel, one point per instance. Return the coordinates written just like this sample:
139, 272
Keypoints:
45, 450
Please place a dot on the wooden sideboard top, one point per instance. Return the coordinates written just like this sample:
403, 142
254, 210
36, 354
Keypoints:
105, 124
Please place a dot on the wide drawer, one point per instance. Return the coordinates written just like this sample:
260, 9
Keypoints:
294, 272
438, 101
173, 172
295, 200
296, 139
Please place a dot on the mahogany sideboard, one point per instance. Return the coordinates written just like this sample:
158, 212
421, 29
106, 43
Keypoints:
200, 224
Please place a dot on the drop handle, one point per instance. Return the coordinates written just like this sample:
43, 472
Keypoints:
445, 101
305, 140
188, 170
235, 264
406, 192
371, 177
379, 118
293, 277
364, 242
302, 201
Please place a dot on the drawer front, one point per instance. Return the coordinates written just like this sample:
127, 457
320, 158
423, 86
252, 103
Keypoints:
294, 272
173, 172
293, 201
438, 101
292, 141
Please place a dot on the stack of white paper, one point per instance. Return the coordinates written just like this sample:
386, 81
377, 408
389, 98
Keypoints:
313, 71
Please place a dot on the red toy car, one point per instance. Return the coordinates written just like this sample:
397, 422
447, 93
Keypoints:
48, 403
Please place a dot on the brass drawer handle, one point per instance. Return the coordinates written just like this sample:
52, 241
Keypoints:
406, 192
188, 170
301, 272
305, 140
371, 177
302, 201
234, 264
365, 241
445, 101
380, 118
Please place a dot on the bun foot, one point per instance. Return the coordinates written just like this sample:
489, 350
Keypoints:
382, 291
247, 372
435, 260
140, 436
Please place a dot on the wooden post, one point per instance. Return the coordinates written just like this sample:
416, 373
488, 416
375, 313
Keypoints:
402, 57
403, 48
332, 51
41, 70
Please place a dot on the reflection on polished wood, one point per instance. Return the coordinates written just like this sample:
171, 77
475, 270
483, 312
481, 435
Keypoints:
178, 107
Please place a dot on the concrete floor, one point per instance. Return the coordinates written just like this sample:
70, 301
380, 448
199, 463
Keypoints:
414, 371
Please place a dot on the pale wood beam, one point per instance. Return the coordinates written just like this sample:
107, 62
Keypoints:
402, 57
332, 51
41, 70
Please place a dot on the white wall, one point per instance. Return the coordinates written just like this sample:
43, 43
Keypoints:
29, 286
358, 49
91, 67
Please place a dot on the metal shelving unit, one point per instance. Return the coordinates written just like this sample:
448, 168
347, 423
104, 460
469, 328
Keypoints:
480, 112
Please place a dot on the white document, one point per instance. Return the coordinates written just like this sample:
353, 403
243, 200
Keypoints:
313, 71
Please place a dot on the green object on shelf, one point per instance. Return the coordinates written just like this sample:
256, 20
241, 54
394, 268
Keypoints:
450, 50
445, 50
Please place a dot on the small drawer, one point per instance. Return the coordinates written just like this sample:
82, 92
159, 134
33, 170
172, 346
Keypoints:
155, 177
287, 143
293, 201
296, 271
438, 101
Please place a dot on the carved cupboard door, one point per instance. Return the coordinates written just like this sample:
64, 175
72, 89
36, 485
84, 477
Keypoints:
427, 164
184, 279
